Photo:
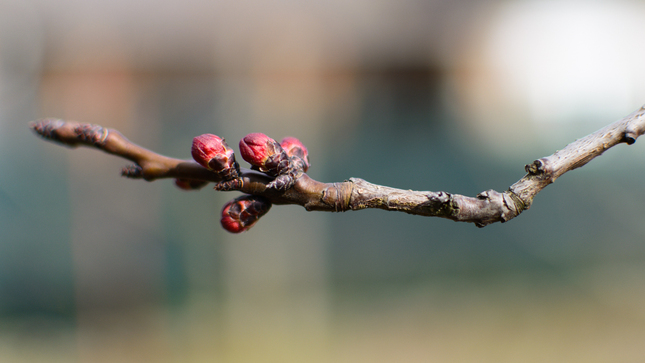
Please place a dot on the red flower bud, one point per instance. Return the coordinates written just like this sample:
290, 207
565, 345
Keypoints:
294, 148
212, 152
264, 153
189, 184
240, 214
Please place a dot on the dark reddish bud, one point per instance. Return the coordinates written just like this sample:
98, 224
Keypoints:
296, 149
189, 184
264, 153
212, 152
240, 214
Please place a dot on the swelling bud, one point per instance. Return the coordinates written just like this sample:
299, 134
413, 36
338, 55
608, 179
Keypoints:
212, 152
296, 151
240, 214
264, 153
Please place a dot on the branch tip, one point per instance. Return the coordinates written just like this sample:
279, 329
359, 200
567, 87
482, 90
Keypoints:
47, 128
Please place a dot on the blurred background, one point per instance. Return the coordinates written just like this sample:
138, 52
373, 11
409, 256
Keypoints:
427, 95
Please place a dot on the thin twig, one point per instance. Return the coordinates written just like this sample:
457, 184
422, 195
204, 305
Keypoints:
486, 208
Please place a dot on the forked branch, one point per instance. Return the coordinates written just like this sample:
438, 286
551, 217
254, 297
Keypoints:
278, 174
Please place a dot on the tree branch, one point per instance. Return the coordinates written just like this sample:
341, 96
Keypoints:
486, 208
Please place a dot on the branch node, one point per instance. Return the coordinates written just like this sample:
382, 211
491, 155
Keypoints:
514, 204
538, 167
338, 196
282, 182
484, 195
492, 210
48, 129
438, 197
630, 136
442, 204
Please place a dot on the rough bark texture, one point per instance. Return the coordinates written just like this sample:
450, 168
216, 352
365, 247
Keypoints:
485, 208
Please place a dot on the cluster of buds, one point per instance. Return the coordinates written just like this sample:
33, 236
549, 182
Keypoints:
285, 162
242, 213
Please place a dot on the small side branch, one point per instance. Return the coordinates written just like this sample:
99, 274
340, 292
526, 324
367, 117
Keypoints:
355, 194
